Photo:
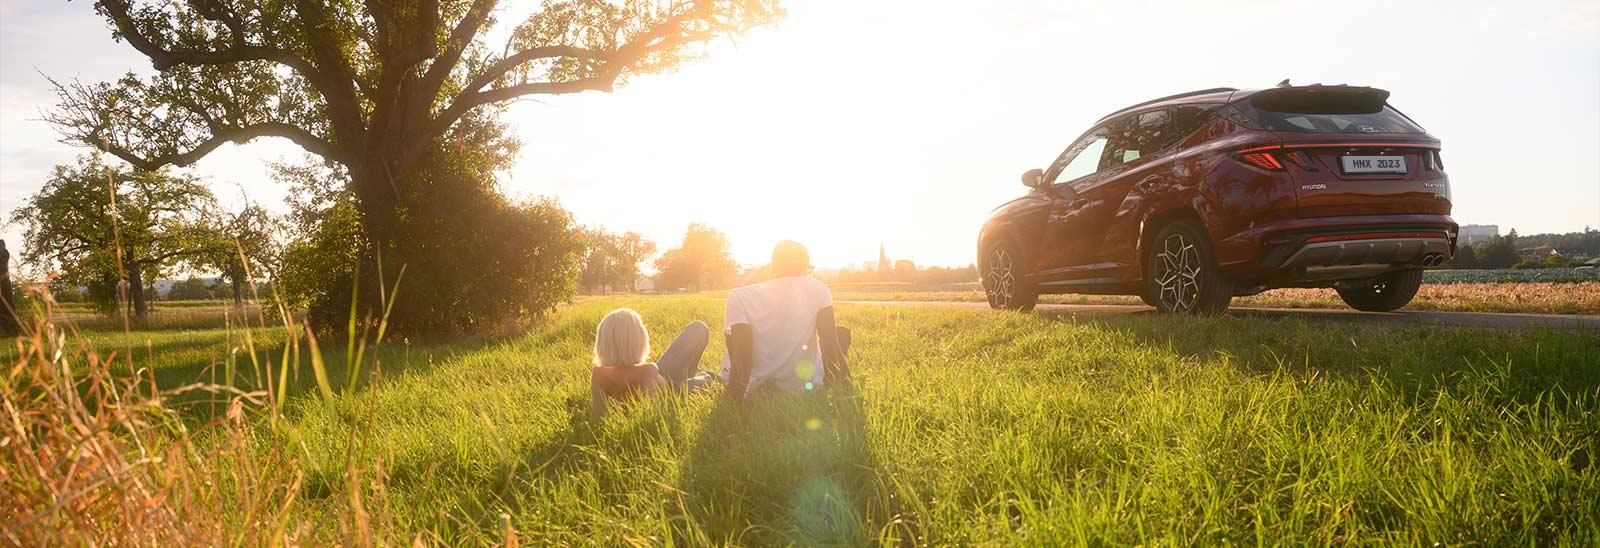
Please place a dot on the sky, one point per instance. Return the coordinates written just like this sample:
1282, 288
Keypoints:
855, 123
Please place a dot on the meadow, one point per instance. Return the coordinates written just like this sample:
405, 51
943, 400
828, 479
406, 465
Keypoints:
963, 427
1530, 297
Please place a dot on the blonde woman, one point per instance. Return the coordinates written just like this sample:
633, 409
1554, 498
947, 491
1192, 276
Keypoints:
621, 346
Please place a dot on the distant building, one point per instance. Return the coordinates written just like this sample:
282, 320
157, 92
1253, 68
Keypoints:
883, 261
1471, 234
645, 284
1537, 252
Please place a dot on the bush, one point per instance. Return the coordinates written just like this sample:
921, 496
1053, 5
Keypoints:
474, 262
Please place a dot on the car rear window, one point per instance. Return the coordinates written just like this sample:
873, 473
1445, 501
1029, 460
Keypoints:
1328, 119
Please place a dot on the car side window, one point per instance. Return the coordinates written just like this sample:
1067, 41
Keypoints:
1082, 158
1187, 119
1135, 137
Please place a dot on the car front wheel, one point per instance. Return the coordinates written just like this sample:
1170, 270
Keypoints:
1004, 279
1182, 274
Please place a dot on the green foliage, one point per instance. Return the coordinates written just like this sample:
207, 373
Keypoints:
612, 260
458, 279
1549, 261
703, 261
191, 289
404, 99
1500, 252
246, 245
1524, 275
1465, 257
1585, 243
159, 220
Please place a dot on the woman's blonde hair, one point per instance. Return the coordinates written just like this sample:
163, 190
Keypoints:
621, 339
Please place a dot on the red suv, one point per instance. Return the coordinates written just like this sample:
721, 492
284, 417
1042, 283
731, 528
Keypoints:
1192, 199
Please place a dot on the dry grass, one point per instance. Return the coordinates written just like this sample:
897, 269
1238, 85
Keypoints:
162, 319
1540, 298
94, 453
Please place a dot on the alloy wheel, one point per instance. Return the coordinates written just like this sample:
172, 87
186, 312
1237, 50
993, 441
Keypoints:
1178, 274
1002, 281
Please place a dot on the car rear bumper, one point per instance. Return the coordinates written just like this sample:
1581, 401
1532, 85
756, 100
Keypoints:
1335, 248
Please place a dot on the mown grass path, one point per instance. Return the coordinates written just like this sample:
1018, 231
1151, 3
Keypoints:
974, 427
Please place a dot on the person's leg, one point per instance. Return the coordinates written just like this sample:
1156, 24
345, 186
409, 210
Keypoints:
844, 341
682, 357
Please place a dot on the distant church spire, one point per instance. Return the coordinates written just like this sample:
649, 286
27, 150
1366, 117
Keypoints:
883, 259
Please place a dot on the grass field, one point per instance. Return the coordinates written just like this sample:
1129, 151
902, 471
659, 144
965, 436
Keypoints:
1510, 297
967, 427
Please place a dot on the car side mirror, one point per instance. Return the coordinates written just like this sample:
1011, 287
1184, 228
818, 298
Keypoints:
1033, 178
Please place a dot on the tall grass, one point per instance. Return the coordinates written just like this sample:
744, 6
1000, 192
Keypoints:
94, 452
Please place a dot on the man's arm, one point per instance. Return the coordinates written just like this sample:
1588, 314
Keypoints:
834, 369
741, 358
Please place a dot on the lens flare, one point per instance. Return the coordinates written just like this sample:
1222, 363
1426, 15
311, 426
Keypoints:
804, 369
813, 424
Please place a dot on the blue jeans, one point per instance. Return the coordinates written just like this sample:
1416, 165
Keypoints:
679, 362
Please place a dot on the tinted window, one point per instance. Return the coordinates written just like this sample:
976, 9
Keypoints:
1187, 119
1082, 158
1138, 136
1387, 120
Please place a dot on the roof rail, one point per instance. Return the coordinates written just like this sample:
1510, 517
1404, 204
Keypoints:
1167, 98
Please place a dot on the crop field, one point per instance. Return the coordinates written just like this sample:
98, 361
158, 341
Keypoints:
964, 427
1510, 297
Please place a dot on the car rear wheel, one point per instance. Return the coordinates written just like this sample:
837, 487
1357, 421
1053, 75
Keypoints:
1183, 276
1383, 293
1004, 279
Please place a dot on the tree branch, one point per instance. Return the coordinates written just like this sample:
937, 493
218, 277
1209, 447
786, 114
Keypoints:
667, 35
307, 140
340, 86
164, 59
460, 37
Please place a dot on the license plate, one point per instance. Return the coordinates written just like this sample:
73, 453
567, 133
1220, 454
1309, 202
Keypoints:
1373, 164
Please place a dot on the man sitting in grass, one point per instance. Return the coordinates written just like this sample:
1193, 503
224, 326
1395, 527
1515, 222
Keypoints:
781, 333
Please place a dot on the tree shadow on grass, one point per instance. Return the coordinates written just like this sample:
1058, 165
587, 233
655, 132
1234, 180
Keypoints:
209, 367
784, 470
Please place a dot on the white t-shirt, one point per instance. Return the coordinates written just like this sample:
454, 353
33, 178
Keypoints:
782, 313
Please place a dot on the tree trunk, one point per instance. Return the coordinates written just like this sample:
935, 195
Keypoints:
238, 292
141, 309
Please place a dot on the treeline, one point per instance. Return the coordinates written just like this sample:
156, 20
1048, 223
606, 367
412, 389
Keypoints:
702, 261
1586, 243
1506, 251
907, 272
103, 234
112, 230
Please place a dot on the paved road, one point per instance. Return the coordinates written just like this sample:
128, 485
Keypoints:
1455, 319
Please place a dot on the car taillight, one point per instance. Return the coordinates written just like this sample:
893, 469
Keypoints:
1263, 160
1301, 159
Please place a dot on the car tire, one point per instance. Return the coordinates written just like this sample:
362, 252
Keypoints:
1149, 300
1005, 281
1182, 275
1384, 293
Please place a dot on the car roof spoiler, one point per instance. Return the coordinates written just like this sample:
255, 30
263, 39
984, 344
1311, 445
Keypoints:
1320, 99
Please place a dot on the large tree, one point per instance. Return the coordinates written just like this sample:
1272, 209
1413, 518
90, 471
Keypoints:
103, 224
702, 261
246, 245
385, 90
612, 260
